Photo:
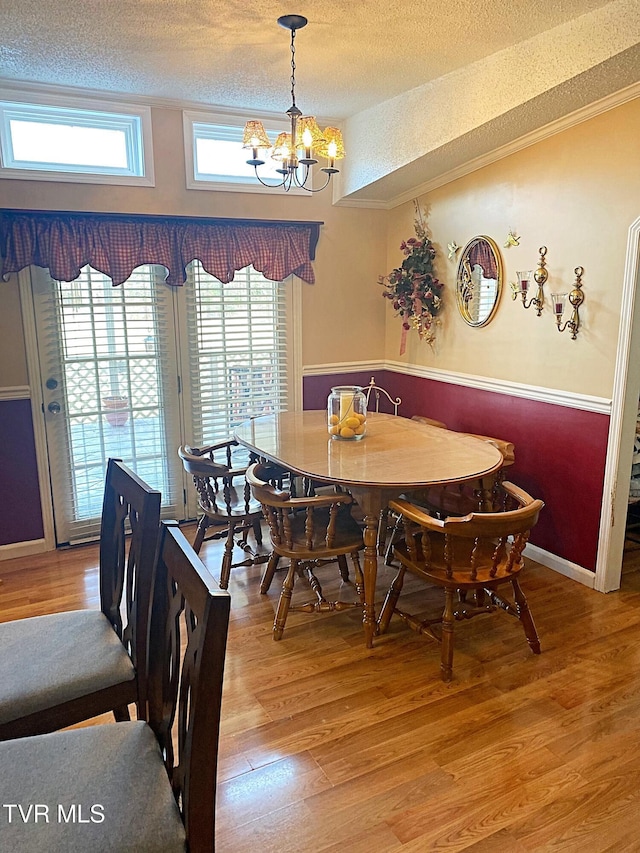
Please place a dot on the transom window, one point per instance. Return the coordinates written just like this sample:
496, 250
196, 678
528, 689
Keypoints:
70, 143
215, 156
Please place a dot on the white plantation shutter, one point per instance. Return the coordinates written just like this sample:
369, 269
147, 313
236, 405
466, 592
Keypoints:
237, 344
227, 342
106, 342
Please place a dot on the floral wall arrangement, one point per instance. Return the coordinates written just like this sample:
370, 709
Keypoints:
415, 292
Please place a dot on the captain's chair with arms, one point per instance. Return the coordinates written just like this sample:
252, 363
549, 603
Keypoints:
308, 531
475, 553
225, 503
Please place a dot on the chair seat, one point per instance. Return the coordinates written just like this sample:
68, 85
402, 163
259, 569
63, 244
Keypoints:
348, 536
436, 570
35, 669
118, 767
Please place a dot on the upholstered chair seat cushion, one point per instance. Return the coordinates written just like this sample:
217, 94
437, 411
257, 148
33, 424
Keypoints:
115, 777
48, 660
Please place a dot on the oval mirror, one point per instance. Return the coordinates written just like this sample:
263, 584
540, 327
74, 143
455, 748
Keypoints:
479, 281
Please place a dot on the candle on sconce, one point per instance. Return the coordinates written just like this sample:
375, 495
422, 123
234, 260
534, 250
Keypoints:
558, 300
524, 277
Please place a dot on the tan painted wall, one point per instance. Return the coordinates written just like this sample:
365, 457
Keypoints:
577, 193
13, 361
342, 316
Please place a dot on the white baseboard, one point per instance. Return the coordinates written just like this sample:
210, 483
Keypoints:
23, 549
560, 565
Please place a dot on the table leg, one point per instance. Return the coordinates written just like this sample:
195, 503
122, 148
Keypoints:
370, 572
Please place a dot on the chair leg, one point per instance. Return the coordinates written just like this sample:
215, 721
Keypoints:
257, 531
382, 530
200, 532
390, 601
359, 577
225, 572
344, 568
388, 554
284, 601
269, 572
524, 615
446, 661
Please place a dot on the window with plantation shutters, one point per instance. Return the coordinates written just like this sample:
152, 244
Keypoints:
237, 336
134, 371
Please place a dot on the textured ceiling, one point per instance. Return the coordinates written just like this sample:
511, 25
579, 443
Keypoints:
226, 53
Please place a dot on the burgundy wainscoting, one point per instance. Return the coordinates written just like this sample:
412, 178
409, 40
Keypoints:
560, 452
316, 389
21, 515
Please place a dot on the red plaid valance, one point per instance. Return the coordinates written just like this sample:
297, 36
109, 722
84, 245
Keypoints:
115, 245
482, 254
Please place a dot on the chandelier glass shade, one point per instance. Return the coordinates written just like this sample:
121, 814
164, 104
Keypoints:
296, 150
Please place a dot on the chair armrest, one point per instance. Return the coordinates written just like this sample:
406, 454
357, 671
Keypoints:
320, 500
417, 515
422, 419
221, 445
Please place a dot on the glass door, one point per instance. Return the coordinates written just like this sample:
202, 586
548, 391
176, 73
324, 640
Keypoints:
110, 389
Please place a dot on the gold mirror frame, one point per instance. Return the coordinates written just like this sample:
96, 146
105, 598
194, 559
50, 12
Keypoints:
469, 286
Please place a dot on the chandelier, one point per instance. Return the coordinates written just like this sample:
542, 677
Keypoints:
297, 149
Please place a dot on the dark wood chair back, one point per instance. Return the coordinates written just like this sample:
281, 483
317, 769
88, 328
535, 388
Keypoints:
189, 613
129, 505
70, 666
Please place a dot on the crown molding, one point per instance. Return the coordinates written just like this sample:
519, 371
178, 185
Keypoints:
610, 102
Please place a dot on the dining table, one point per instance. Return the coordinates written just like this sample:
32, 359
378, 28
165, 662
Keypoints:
396, 456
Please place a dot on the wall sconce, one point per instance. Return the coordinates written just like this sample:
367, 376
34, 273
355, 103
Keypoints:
525, 277
576, 298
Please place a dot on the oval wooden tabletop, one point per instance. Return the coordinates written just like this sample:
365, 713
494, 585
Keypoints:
395, 453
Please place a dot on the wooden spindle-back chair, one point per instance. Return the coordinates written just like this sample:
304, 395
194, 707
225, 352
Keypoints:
309, 531
476, 553
225, 503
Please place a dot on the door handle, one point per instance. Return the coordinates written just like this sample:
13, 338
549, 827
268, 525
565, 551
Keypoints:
54, 408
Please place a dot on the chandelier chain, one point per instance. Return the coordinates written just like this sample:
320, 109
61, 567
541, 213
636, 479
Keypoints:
293, 68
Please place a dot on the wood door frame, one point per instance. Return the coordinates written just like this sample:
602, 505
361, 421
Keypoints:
624, 411
37, 406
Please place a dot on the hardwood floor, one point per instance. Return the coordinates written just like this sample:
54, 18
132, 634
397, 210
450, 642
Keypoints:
326, 746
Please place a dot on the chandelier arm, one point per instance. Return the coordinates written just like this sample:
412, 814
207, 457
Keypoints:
272, 186
317, 189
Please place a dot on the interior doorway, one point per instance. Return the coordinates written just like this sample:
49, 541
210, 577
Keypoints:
622, 427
